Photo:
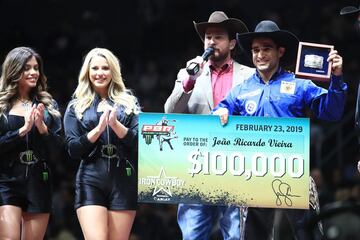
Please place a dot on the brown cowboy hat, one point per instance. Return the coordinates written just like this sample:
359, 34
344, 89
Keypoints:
219, 18
269, 29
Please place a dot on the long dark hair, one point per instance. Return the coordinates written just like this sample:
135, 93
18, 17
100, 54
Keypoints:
12, 70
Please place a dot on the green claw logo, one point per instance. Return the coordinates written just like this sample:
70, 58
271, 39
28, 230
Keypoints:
110, 150
29, 156
148, 138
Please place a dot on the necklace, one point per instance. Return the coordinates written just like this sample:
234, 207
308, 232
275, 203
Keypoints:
25, 103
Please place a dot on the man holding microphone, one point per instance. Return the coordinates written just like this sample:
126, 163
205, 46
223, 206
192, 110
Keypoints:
198, 88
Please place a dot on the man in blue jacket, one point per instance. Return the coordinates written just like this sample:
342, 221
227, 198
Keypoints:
273, 92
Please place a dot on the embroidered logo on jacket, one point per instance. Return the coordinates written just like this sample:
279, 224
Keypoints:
250, 107
287, 87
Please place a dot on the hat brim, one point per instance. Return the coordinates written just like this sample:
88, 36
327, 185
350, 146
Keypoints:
232, 25
282, 38
349, 10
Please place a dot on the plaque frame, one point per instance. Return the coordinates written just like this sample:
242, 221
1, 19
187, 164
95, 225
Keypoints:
317, 54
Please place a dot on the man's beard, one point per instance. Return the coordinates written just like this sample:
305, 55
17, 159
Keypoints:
219, 57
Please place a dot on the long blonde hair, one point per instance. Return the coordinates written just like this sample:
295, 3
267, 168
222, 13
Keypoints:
12, 71
84, 94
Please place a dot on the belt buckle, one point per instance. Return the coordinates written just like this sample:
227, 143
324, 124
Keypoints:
28, 157
109, 151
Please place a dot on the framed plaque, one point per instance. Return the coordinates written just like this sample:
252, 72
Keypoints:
312, 61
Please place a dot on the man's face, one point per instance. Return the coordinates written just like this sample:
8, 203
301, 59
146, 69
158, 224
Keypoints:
218, 38
266, 55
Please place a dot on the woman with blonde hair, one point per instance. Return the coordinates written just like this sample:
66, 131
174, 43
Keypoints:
101, 124
30, 125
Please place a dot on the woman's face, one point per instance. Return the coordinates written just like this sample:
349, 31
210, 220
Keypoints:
30, 75
100, 75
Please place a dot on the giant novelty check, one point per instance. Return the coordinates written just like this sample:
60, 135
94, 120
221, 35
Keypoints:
253, 161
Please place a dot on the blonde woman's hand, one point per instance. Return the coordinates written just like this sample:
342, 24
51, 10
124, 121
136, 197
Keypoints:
112, 118
119, 129
103, 121
94, 134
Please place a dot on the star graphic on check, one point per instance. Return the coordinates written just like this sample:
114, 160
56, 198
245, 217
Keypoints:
162, 176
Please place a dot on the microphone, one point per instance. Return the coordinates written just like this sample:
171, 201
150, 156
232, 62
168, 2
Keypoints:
193, 67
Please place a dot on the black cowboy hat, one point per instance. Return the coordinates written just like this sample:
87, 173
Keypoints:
219, 18
269, 29
349, 10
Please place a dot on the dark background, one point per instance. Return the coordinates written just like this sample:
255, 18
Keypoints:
153, 40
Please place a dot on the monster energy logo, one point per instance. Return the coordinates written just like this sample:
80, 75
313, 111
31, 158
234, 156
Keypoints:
28, 157
109, 150
148, 138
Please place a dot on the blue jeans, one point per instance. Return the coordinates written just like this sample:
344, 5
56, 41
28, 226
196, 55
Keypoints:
196, 221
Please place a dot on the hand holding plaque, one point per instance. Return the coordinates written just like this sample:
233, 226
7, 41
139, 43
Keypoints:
336, 63
312, 61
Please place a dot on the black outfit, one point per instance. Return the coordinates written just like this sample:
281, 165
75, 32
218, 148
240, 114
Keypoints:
25, 178
107, 174
292, 225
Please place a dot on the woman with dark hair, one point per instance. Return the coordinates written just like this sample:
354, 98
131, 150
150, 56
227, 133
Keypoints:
29, 124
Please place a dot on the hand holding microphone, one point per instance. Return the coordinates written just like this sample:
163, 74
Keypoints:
193, 68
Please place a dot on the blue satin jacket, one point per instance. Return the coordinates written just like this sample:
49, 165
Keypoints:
286, 96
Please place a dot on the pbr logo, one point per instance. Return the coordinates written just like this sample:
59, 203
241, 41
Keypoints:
161, 130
